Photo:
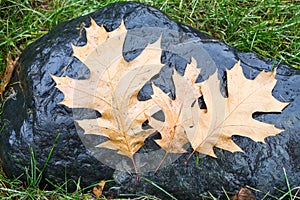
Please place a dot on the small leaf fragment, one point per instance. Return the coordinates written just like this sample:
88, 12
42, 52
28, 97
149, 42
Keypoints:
244, 194
97, 190
7, 73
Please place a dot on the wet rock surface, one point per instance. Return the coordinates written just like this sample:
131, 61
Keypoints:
33, 118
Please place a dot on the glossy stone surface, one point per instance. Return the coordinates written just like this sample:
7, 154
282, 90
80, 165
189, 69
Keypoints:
33, 118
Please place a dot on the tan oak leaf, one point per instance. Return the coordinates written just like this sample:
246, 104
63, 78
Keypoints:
177, 112
245, 97
112, 88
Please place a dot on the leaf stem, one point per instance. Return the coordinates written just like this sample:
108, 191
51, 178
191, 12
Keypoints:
135, 169
162, 160
187, 160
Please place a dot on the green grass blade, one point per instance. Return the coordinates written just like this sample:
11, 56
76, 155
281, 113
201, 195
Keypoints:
158, 187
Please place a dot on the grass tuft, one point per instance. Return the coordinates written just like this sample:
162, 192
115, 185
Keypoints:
268, 28
30, 190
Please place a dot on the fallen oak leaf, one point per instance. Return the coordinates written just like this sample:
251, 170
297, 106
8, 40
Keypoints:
112, 89
245, 97
178, 115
